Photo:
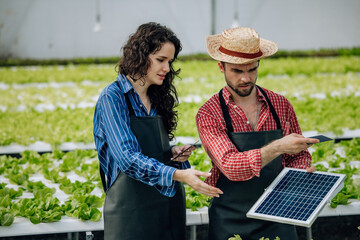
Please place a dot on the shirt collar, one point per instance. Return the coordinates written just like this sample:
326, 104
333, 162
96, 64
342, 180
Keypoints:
226, 95
124, 83
260, 95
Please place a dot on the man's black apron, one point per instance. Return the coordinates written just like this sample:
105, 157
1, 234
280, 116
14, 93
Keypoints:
227, 214
134, 210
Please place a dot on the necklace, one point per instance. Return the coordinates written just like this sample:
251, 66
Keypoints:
257, 114
253, 124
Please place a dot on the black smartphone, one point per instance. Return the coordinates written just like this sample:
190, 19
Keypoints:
322, 138
191, 145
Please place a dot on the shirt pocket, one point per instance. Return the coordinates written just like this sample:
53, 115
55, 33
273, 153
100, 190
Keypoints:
287, 128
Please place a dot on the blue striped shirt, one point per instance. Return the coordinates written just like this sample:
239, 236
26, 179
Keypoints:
117, 147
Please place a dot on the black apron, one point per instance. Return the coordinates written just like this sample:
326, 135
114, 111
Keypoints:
134, 210
227, 214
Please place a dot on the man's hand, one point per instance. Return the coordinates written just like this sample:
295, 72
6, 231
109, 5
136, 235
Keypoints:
290, 144
294, 143
191, 177
311, 169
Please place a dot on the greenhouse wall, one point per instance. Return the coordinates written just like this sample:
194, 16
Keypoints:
48, 29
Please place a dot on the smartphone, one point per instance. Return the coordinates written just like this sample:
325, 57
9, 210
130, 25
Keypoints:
191, 145
322, 138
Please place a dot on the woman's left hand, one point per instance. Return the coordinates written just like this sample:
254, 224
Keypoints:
176, 150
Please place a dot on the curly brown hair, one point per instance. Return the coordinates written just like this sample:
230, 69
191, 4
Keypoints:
148, 39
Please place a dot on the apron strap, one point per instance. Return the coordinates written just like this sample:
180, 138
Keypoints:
227, 115
103, 180
272, 109
131, 109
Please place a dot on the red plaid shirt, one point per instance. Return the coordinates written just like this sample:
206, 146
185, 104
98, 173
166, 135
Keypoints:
241, 166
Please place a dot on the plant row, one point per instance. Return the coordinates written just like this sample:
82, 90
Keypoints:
55, 104
44, 206
332, 114
49, 96
194, 68
82, 203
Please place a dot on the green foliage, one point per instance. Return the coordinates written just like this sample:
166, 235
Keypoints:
9, 193
54, 127
53, 175
340, 198
34, 186
58, 74
43, 206
77, 187
67, 95
89, 171
83, 212
336, 78
341, 113
326, 154
194, 200
6, 218
6, 215
84, 206
200, 160
323, 152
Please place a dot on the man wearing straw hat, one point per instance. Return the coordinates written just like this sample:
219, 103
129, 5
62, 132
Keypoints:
250, 134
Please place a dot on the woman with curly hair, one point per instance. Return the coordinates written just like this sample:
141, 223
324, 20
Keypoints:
133, 123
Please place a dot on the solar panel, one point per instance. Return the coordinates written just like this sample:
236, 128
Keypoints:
297, 197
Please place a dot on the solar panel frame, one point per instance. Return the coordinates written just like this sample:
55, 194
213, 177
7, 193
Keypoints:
282, 197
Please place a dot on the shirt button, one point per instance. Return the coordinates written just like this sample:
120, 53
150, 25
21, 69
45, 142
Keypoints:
140, 105
247, 122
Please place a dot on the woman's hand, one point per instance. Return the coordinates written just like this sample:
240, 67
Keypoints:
176, 150
191, 178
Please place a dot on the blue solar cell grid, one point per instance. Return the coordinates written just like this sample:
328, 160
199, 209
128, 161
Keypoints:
297, 195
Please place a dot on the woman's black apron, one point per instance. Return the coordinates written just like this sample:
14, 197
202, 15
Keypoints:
227, 214
134, 210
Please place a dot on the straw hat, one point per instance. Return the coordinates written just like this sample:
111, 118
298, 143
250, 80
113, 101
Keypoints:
239, 45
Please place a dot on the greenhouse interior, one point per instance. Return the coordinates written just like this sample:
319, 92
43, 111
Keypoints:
56, 58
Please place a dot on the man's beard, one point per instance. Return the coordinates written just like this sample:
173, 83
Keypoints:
242, 93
